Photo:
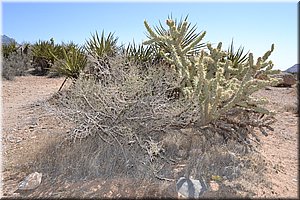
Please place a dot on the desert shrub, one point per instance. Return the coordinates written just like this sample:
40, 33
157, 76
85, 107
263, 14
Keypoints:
120, 117
99, 52
16, 64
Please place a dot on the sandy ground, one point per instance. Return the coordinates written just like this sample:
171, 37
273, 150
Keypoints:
24, 124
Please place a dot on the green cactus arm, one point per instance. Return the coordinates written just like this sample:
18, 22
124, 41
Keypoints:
150, 31
269, 66
201, 73
268, 53
182, 30
206, 101
214, 105
238, 95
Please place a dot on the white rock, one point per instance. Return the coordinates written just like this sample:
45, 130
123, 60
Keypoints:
190, 188
31, 182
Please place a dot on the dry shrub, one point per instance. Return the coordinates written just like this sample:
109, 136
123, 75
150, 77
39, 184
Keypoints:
15, 65
136, 125
123, 120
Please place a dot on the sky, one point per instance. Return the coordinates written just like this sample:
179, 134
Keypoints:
253, 25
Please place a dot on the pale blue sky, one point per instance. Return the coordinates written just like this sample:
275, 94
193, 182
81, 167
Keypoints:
253, 25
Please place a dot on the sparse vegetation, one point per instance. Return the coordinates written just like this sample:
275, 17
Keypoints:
143, 123
190, 112
15, 62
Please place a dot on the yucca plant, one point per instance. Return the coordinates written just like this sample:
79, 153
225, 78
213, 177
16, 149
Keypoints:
73, 62
99, 47
238, 56
43, 54
41, 49
140, 53
8, 49
187, 39
69, 46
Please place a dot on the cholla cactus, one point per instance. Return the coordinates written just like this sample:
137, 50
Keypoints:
210, 77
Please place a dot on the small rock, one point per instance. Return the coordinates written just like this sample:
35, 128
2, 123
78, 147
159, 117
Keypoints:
214, 186
190, 188
32, 181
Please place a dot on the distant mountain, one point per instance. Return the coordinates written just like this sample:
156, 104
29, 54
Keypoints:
7, 40
293, 69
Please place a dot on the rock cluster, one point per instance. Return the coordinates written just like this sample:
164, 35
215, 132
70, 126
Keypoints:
286, 79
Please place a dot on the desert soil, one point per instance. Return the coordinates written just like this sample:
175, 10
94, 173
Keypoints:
25, 125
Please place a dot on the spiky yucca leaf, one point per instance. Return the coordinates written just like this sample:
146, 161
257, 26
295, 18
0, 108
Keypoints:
72, 64
69, 46
42, 49
238, 56
100, 47
142, 53
8, 49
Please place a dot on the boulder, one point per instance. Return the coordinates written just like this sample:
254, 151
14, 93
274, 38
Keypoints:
286, 79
